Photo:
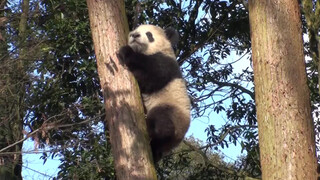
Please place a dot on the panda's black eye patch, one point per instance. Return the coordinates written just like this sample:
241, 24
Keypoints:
150, 37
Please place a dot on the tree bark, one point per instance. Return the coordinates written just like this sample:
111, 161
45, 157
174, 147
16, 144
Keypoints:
286, 134
125, 116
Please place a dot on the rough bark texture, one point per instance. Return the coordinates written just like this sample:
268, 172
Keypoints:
125, 116
286, 134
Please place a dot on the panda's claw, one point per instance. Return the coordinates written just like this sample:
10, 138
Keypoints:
124, 53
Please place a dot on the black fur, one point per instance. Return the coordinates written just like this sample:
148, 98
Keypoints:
150, 36
161, 130
153, 72
172, 35
166, 121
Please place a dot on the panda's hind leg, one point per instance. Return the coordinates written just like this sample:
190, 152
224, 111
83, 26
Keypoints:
161, 130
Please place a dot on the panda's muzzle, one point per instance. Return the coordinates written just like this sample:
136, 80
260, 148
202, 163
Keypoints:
134, 35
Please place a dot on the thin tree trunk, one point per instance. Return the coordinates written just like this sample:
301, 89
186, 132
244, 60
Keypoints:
23, 19
125, 116
286, 134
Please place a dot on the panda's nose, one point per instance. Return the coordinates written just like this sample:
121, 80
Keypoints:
135, 35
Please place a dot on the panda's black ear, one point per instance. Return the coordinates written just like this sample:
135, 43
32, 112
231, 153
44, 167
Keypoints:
172, 35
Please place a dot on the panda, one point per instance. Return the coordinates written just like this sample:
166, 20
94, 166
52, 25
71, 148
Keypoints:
150, 57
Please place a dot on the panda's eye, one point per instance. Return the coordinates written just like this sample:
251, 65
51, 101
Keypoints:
150, 37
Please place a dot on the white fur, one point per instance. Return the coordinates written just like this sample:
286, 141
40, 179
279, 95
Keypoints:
142, 44
175, 94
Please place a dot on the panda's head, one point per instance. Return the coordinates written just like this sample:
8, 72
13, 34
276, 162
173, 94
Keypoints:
150, 39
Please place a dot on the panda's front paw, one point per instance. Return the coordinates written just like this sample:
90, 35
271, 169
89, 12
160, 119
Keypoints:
124, 54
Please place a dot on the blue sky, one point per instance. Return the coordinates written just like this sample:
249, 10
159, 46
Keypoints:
33, 167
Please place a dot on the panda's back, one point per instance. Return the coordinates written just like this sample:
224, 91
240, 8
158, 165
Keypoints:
175, 95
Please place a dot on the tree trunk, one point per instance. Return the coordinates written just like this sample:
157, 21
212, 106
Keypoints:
23, 19
286, 134
124, 110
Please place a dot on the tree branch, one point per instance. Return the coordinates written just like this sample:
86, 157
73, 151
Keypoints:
242, 174
237, 86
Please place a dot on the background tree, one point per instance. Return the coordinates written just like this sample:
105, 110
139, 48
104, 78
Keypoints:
67, 81
13, 85
286, 133
62, 76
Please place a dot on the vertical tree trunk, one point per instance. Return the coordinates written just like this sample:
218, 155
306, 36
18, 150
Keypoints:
286, 134
23, 19
125, 116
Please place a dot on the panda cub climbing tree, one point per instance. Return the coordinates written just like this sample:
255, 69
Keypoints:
150, 57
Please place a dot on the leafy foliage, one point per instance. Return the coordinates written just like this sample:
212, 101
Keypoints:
89, 159
66, 82
193, 160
